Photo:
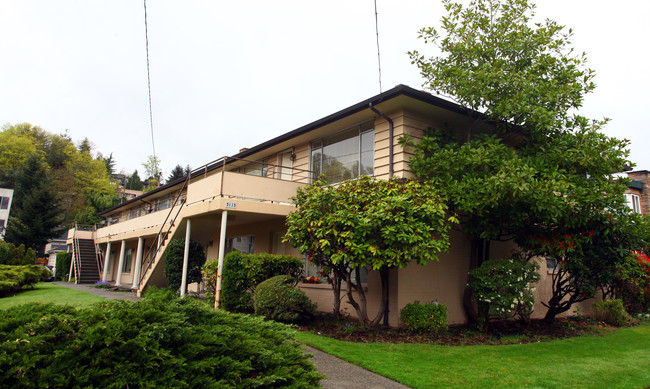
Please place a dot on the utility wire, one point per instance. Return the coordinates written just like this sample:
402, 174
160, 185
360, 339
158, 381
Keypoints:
378, 56
146, 37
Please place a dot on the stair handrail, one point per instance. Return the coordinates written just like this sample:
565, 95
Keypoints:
155, 247
98, 254
77, 254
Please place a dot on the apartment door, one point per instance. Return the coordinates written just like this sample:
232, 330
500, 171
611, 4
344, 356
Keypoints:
285, 170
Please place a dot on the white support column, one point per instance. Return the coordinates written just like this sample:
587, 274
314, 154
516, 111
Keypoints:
107, 262
138, 264
120, 264
186, 257
222, 252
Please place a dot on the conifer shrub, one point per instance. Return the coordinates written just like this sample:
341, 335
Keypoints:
424, 318
159, 342
14, 278
612, 312
243, 272
278, 299
174, 263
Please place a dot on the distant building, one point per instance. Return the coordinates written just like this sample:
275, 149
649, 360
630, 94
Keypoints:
637, 193
54, 246
6, 196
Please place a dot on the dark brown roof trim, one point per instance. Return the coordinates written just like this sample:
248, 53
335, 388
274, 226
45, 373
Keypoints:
399, 90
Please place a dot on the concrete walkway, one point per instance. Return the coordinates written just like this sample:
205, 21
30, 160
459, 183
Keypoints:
106, 293
340, 374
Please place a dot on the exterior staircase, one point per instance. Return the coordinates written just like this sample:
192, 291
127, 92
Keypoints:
86, 264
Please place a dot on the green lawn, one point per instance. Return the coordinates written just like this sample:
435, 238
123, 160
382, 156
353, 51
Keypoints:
44, 292
617, 360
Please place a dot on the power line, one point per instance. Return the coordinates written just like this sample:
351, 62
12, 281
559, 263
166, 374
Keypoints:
378, 56
146, 37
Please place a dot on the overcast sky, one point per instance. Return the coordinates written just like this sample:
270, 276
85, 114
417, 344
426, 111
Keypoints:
228, 75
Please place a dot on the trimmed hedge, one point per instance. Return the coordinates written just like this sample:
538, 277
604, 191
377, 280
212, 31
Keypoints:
278, 299
243, 272
62, 266
159, 342
14, 278
423, 318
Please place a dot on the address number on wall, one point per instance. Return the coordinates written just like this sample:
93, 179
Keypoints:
230, 204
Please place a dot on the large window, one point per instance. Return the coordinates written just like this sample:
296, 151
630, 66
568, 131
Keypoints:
345, 155
128, 258
633, 202
243, 244
4, 202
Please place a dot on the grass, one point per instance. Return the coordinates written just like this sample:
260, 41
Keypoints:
619, 359
44, 292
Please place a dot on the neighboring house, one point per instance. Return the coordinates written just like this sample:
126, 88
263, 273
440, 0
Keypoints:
241, 202
637, 193
54, 246
6, 197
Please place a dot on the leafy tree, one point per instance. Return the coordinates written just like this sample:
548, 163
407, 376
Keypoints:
134, 182
526, 165
178, 172
376, 224
153, 172
35, 213
174, 263
109, 162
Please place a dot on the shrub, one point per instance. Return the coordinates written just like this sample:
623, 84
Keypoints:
243, 272
62, 267
278, 299
502, 287
161, 341
611, 312
16, 255
209, 271
424, 318
14, 278
174, 263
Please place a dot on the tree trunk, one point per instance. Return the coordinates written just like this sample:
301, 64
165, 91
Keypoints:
478, 250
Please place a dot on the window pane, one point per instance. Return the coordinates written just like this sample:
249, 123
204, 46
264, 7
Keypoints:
341, 156
367, 153
4, 202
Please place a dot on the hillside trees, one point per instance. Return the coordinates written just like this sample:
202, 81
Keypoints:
367, 223
544, 170
74, 175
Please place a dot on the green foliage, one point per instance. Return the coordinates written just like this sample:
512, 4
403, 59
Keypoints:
35, 214
379, 224
161, 341
503, 287
174, 263
16, 255
62, 266
178, 172
496, 58
424, 318
134, 182
611, 312
209, 270
243, 272
13, 278
153, 172
278, 299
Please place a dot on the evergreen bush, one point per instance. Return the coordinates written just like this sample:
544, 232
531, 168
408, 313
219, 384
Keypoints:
278, 299
159, 342
62, 266
424, 318
243, 272
174, 263
611, 312
14, 278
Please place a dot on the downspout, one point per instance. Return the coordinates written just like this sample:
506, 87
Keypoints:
390, 139
390, 175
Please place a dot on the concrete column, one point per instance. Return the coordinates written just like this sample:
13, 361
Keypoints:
120, 264
222, 252
138, 264
186, 257
107, 262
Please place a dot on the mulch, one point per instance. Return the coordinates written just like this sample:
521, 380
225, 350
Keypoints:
500, 332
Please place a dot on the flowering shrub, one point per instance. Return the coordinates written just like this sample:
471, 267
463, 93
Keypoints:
502, 287
423, 318
311, 280
101, 284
